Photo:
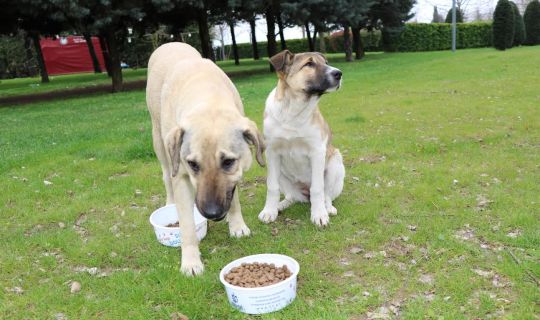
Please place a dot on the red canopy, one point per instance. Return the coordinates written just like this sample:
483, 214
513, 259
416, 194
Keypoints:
70, 55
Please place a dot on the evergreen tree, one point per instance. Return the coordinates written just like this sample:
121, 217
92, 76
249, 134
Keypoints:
459, 16
503, 25
532, 23
437, 18
519, 26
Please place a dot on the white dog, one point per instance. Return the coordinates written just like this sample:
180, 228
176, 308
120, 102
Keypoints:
302, 163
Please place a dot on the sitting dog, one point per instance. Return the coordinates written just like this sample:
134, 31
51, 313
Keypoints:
302, 163
201, 137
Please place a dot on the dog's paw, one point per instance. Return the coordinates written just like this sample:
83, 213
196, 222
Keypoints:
268, 216
320, 217
284, 204
331, 210
239, 231
191, 262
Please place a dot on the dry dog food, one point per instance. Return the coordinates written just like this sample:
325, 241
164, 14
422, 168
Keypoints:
173, 225
253, 275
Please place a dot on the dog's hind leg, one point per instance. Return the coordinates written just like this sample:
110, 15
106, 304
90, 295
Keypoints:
333, 180
237, 226
161, 154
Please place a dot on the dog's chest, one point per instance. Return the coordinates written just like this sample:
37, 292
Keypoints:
294, 147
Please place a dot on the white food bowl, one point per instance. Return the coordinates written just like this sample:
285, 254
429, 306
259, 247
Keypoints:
170, 236
262, 299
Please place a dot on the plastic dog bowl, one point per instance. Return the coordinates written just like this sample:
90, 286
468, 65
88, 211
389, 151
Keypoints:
170, 236
262, 299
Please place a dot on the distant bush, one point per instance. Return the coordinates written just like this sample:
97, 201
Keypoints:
503, 25
532, 23
519, 26
438, 36
459, 16
333, 44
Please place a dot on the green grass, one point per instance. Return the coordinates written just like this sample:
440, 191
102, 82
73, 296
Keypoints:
454, 130
23, 86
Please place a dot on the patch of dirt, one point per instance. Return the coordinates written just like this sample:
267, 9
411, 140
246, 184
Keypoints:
100, 273
467, 233
81, 231
482, 202
373, 158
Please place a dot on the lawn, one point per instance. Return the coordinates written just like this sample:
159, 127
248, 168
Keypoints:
439, 218
14, 87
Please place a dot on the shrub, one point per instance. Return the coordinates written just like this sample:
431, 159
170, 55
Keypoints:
532, 23
503, 25
459, 16
519, 26
333, 44
438, 36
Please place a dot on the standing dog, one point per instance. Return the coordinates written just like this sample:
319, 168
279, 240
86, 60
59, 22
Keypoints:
302, 163
201, 137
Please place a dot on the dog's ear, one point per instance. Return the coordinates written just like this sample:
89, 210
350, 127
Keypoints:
174, 143
254, 137
282, 60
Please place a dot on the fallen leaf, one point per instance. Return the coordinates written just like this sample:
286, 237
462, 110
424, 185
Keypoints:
75, 287
356, 250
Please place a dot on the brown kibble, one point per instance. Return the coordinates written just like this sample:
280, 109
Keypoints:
256, 274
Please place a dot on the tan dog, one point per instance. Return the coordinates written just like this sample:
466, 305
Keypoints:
302, 163
201, 137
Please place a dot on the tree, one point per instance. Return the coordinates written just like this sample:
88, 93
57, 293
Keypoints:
503, 25
254, 46
459, 16
437, 18
519, 26
390, 16
532, 23
270, 13
38, 17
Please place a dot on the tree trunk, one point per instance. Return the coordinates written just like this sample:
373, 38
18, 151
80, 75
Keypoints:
281, 35
347, 43
234, 46
309, 40
116, 69
254, 39
106, 55
204, 34
314, 37
30, 67
271, 46
39, 55
358, 46
95, 61
322, 44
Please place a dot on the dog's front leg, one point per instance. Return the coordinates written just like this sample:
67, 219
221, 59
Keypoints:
319, 214
270, 210
184, 199
237, 226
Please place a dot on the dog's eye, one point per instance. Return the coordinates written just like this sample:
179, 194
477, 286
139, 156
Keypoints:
194, 166
227, 163
309, 64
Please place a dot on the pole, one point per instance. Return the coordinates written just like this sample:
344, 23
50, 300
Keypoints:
453, 25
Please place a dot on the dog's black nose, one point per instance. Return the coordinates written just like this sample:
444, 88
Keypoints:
337, 74
212, 212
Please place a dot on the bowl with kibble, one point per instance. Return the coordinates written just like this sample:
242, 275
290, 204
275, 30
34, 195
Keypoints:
166, 226
260, 283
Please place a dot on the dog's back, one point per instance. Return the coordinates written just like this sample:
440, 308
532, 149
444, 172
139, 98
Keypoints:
161, 61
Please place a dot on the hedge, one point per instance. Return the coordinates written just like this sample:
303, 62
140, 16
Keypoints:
438, 36
334, 44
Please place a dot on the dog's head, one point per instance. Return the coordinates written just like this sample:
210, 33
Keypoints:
214, 155
307, 72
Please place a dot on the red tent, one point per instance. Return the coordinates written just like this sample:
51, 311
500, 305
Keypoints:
70, 55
